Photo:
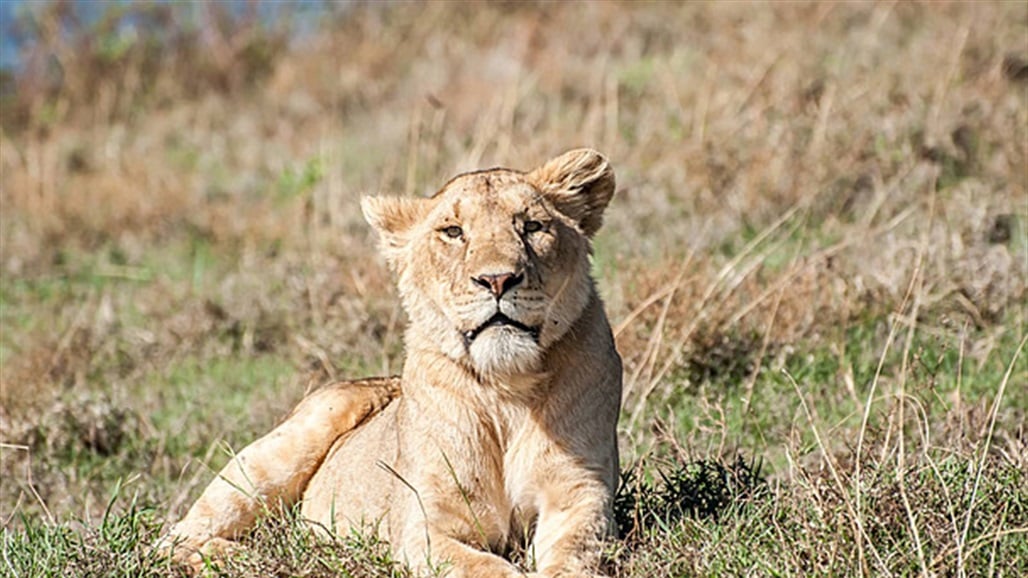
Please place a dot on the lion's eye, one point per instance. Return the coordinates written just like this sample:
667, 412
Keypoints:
533, 226
453, 232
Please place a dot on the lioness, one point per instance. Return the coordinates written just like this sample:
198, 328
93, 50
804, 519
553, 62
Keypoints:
503, 423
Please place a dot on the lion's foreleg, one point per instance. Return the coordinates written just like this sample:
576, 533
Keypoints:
572, 524
272, 472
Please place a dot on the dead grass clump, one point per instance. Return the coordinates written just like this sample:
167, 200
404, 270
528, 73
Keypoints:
989, 281
47, 451
131, 59
946, 514
888, 522
725, 358
87, 424
48, 365
723, 325
129, 203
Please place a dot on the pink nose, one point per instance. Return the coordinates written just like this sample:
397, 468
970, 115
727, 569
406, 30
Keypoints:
498, 284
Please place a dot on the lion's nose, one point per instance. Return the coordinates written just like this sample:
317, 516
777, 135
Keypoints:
500, 283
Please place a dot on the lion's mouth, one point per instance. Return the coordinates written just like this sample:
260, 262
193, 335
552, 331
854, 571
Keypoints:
500, 320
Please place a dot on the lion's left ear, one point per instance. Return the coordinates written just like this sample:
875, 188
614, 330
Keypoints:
580, 183
393, 218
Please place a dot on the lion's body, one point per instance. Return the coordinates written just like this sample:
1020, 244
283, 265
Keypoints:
503, 422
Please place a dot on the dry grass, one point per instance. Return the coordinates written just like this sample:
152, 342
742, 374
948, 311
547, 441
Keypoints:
817, 256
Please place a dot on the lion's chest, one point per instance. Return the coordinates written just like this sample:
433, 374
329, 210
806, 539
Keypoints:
502, 487
520, 484
493, 476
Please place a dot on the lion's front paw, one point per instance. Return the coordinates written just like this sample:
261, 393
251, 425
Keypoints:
195, 555
566, 574
213, 549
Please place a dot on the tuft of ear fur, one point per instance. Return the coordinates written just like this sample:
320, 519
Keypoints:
580, 183
393, 218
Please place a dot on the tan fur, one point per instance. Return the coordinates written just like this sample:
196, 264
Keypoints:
505, 427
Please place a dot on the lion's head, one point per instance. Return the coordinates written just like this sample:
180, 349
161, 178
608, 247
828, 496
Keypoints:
494, 268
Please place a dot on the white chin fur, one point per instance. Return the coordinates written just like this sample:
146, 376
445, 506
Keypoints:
505, 351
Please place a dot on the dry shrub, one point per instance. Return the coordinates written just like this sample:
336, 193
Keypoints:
699, 489
83, 424
720, 324
956, 502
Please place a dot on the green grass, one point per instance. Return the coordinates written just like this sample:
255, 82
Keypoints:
181, 394
696, 519
761, 409
116, 547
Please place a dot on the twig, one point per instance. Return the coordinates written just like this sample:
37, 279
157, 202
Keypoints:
917, 281
867, 414
854, 518
649, 356
988, 438
751, 382
719, 285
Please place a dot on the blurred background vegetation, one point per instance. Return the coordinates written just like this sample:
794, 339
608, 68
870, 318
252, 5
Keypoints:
816, 261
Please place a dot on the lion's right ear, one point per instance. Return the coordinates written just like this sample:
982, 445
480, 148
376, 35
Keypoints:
393, 218
580, 183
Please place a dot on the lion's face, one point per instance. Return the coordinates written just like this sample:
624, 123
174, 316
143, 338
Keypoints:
504, 271
494, 269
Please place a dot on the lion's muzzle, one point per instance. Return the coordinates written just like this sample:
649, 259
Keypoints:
500, 320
